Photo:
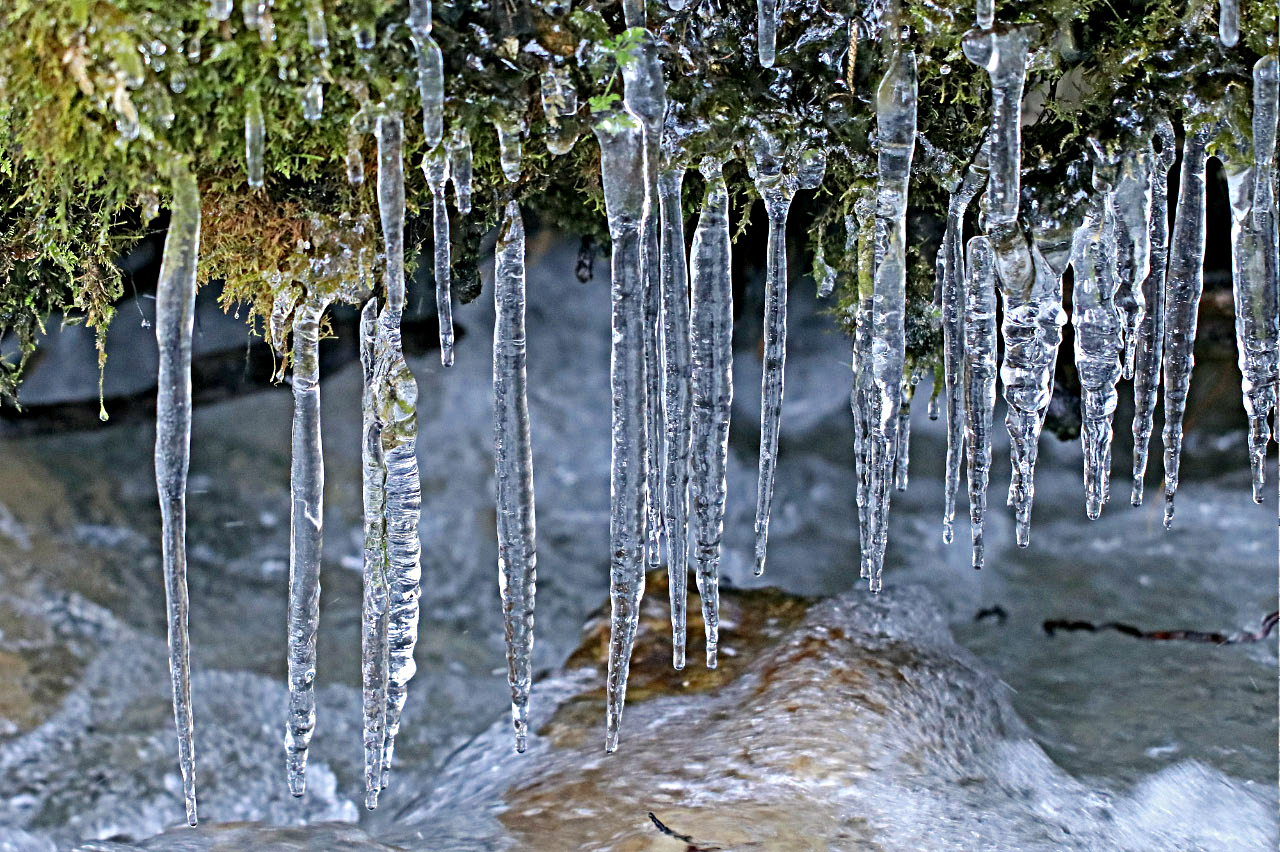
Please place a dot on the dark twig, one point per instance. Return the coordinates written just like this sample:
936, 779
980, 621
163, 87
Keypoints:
1263, 631
997, 612
683, 838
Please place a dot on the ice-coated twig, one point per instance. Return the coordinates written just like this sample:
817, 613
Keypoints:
711, 322
175, 316
1149, 333
621, 137
950, 272
896, 133
513, 466
373, 624
979, 380
435, 166
677, 403
1183, 288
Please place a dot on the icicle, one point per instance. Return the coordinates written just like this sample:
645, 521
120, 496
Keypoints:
175, 314
1098, 343
430, 71
986, 14
1228, 22
435, 166
358, 126
711, 322
1132, 202
1032, 333
513, 463
1255, 265
979, 380
677, 407
1150, 329
777, 188
633, 13
306, 532
396, 401
950, 271
767, 30
509, 152
621, 140
862, 235
559, 97
645, 97
373, 636
902, 455
823, 273
317, 32
1004, 56
313, 100
220, 10
1182, 303
460, 168
896, 132
254, 136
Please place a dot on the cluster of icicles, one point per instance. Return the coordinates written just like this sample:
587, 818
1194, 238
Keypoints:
1137, 289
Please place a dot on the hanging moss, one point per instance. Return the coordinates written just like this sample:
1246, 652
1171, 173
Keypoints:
99, 97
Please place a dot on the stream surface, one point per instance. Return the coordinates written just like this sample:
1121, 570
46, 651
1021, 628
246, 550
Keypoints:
1164, 733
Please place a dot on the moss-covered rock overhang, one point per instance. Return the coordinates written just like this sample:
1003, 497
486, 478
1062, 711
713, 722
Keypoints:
99, 97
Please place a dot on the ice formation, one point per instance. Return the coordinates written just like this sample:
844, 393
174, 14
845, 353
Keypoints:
1136, 289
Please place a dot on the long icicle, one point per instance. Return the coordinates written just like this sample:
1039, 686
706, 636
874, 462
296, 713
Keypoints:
1131, 202
950, 271
1098, 348
435, 167
645, 97
430, 71
175, 316
862, 235
777, 187
396, 397
1254, 266
306, 535
1182, 303
979, 381
677, 404
896, 129
711, 321
373, 633
513, 466
621, 140
1149, 349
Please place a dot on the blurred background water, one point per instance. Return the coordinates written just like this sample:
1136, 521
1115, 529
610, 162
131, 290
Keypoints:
86, 738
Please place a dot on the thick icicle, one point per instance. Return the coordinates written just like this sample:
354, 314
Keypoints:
861, 228
1149, 333
1254, 266
645, 97
306, 533
621, 138
1004, 56
767, 31
373, 634
979, 380
396, 399
1182, 303
677, 405
513, 465
950, 271
430, 71
1131, 201
254, 136
1229, 22
460, 168
1097, 342
777, 187
435, 166
711, 323
175, 314
896, 132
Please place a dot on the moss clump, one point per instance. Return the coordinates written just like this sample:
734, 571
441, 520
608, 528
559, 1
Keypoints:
99, 97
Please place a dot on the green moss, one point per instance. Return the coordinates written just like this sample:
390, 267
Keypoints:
76, 74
